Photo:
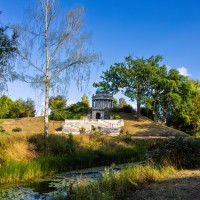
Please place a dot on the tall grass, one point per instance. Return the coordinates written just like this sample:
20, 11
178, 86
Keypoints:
14, 171
116, 185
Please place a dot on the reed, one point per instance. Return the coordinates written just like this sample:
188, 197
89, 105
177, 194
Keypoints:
116, 185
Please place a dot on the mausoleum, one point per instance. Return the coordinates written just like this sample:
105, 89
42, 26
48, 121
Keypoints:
102, 103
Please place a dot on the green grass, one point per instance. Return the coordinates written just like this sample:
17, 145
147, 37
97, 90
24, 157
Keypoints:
14, 171
116, 185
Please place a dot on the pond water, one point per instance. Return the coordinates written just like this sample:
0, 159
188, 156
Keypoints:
57, 186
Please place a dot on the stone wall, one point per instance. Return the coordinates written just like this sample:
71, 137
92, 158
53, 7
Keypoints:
109, 126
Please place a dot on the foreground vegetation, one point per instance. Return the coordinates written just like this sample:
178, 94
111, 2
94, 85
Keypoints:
170, 158
118, 185
42, 157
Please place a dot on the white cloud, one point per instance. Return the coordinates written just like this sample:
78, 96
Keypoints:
183, 71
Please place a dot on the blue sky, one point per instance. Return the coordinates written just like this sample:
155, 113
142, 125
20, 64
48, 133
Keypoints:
170, 28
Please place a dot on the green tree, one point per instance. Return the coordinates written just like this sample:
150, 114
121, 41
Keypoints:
5, 106
131, 77
85, 100
17, 109
58, 108
122, 102
21, 108
184, 111
29, 108
8, 47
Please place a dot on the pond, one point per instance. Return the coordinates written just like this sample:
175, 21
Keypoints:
57, 186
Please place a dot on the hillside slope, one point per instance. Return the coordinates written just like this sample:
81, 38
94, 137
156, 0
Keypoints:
137, 128
30, 124
146, 128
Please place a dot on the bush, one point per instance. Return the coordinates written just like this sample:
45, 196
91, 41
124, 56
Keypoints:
2, 130
54, 144
115, 116
146, 112
179, 152
17, 129
82, 130
125, 109
93, 128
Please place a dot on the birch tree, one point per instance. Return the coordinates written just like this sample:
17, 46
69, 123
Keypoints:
53, 49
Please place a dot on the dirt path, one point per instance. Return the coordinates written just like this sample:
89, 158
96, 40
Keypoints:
185, 185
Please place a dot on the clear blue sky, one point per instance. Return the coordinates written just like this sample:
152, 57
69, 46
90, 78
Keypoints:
170, 28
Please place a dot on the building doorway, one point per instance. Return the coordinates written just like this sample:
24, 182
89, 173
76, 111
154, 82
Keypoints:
98, 116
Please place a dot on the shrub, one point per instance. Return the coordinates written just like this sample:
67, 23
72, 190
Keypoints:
93, 128
2, 130
179, 152
54, 144
125, 109
146, 112
17, 129
82, 130
115, 116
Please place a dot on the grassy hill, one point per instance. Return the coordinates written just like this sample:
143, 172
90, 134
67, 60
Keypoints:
143, 128
29, 156
29, 125
146, 128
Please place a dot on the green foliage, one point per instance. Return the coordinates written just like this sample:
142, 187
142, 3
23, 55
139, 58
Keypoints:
78, 110
117, 185
58, 108
132, 77
185, 115
164, 95
54, 144
93, 128
125, 109
82, 130
8, 47
59, 111
5, 106
16, 109
179, 152
62, 153
85, 100
17, 129
146, 112
115, 115
122, 102
2, 130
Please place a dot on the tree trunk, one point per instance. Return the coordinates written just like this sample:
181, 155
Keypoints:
164, 113
138, 107
155, 107
46, 117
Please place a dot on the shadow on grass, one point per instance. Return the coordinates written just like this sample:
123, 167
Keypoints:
183, 188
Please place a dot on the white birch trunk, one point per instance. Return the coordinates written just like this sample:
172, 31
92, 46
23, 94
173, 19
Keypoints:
46, 118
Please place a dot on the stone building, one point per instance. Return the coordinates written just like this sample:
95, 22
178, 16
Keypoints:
102, 103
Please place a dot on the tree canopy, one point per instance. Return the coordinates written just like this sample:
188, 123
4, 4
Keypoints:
8, 47
166, 95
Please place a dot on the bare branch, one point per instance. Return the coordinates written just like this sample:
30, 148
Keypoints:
65, 67
30, 62
75, 17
